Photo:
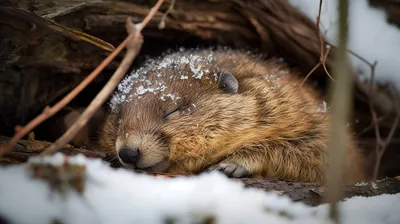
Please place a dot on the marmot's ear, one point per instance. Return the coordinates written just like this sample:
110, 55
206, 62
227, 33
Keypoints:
228, 83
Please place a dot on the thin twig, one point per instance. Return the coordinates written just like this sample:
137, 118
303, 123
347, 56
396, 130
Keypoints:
360, 57
381, 144
161, 25
309, 73
321, 62
328, 48
323, 56
321, 40
133, 47
375, 120
396, 120
50, 111
372, 124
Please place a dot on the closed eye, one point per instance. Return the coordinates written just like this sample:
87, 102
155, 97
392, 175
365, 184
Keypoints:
173, 112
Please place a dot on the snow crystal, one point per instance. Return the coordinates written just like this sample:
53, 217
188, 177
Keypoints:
274, 82
361, 184
323, 108
141, 90
167, 62
195, 67
210, 58
138, 25
184, 60
120, 196
370, 36
191, 107
171, 96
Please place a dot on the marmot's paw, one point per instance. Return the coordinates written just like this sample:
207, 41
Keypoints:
231, 169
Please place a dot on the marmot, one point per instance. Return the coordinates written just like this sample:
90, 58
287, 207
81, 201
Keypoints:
228, 110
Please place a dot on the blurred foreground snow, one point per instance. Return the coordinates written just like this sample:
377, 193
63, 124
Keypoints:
120, 196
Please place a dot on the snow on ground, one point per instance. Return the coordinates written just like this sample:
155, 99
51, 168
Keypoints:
369, 35
120, 196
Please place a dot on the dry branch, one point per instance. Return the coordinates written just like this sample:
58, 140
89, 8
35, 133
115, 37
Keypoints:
50, 111
133, 45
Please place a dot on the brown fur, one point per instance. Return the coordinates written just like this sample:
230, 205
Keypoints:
270, 128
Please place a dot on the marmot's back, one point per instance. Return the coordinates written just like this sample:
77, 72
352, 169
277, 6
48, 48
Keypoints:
219, 110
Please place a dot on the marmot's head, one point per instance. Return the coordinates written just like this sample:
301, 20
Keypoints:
178, 108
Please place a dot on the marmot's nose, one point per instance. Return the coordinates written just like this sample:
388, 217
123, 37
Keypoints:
128, 155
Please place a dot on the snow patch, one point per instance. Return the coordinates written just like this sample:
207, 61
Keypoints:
120, 196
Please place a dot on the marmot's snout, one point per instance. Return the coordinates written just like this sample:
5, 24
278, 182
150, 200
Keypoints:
143, 151
129, 156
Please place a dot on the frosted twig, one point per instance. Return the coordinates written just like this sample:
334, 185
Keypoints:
133, 46
50, 111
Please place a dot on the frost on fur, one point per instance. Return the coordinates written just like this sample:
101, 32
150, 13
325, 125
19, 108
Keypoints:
124, 92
